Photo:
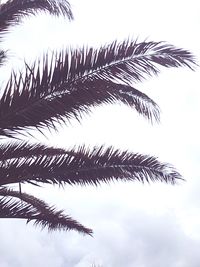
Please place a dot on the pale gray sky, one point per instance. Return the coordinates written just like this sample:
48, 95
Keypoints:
134, 225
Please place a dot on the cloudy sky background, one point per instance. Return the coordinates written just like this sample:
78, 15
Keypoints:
134, 225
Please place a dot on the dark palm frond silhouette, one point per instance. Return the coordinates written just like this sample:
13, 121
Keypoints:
14, 204
62, 87
83, 78
37, 163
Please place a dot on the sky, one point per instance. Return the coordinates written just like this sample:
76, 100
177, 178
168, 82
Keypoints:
134, 225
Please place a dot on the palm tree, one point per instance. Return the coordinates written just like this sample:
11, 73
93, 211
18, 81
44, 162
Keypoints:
63, 86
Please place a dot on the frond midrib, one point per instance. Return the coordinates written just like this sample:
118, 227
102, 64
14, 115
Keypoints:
99, 69
122, 166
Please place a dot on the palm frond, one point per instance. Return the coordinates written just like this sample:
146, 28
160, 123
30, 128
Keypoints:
75, 81
13, 10
33, 209
125, 62
87, 167
41, 107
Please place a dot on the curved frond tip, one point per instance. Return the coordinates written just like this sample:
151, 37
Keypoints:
17, 205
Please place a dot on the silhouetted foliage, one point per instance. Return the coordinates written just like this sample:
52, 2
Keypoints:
64, 86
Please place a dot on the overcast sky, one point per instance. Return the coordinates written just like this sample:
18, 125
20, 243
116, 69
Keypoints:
134, 225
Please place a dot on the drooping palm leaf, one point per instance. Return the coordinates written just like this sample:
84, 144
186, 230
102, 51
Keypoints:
33, 209
13, 10
86, 167
83, 78
25, 108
